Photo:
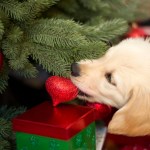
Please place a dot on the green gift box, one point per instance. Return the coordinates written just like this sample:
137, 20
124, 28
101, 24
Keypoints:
65, 127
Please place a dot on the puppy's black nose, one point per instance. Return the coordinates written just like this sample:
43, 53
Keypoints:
75, 70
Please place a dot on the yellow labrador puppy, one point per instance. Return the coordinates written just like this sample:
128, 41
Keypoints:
120, 78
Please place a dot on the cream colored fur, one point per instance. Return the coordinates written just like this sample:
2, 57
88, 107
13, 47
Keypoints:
121, 78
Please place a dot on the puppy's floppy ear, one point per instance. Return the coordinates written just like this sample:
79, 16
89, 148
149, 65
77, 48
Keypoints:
133, 119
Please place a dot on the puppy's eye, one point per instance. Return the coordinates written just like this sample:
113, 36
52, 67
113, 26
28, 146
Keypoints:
109, 78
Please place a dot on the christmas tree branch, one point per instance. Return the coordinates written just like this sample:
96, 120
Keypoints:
57, 33
1, 29
106, 31
22, 11
3, 78
7, 137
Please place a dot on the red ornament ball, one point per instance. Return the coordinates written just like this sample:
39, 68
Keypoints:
60, 89
101, 110
1, 60
136, 32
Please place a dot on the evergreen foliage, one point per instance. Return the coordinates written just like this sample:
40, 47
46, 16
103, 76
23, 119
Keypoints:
7, 137
55, 33
3, 78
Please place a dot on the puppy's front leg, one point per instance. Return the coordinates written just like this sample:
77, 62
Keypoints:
118, 124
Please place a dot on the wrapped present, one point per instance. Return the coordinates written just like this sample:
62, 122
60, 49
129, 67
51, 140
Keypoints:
65, 127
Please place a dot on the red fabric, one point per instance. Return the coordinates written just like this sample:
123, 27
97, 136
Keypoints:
60, 122
135, 147
121, 142
125, 140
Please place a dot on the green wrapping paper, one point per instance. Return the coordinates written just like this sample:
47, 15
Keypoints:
84, 140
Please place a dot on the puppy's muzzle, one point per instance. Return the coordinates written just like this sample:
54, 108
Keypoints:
75, 69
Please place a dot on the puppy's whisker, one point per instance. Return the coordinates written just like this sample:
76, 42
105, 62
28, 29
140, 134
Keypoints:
77, 80
83, 73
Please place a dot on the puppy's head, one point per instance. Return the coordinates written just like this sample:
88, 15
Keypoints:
116, 79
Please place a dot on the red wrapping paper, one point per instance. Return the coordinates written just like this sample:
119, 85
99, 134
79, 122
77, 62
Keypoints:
102, 111
60, 122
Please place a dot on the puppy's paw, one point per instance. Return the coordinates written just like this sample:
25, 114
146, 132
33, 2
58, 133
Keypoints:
118, 125
115, 128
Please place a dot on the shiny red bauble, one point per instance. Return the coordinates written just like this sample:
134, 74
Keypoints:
60, 89
136, 32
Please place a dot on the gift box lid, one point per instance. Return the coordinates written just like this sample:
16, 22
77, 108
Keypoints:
61, 122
